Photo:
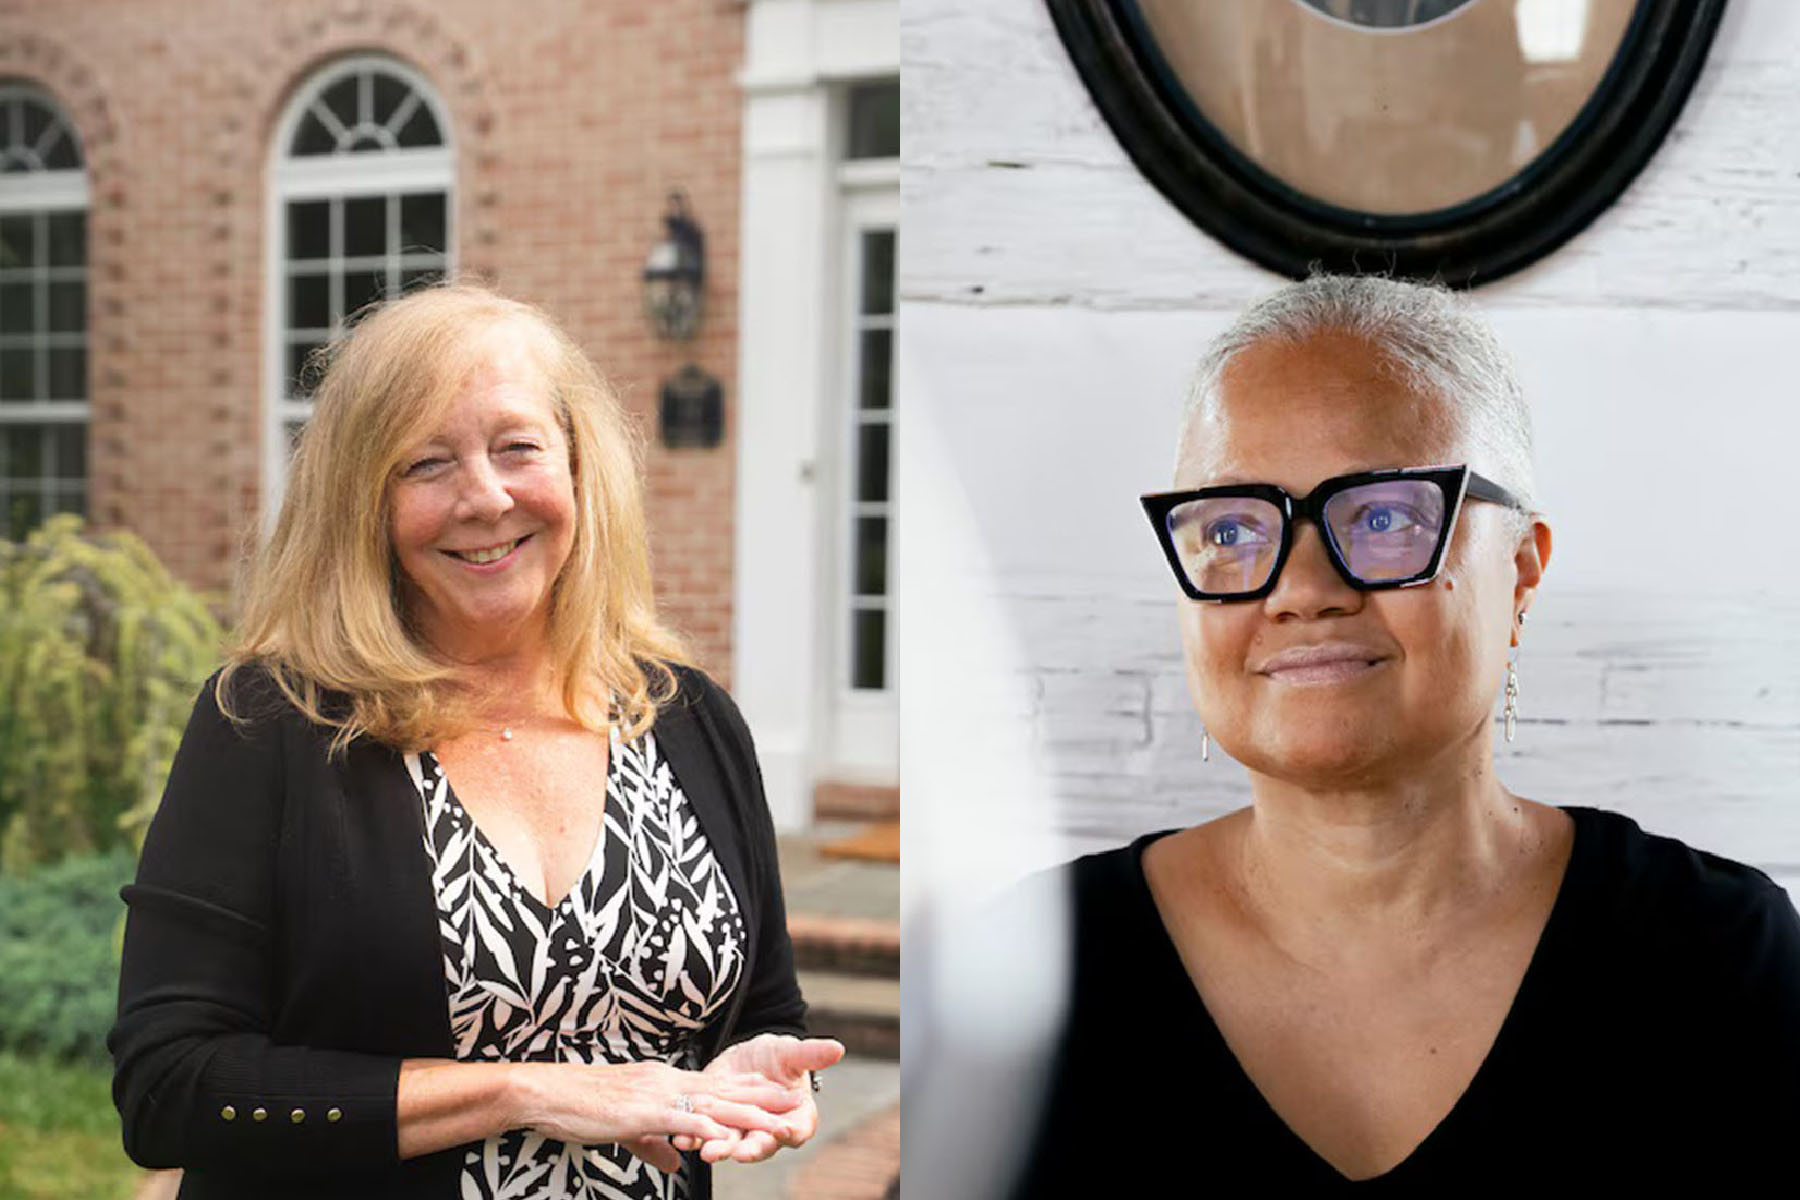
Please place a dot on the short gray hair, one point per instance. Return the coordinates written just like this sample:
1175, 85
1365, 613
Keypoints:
1430, 335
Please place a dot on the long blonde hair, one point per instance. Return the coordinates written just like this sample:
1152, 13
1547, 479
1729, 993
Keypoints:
323, 610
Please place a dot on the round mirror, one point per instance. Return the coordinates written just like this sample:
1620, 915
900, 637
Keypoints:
1449, 139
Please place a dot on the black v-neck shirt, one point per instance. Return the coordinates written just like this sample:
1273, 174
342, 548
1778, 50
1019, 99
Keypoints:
1654, 1039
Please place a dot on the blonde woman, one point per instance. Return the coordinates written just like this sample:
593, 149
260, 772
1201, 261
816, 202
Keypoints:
463, 884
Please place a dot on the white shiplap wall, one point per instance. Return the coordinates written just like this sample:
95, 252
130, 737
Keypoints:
1053, 303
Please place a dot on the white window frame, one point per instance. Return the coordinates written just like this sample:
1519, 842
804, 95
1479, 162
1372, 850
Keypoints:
865, 721
50, 191
325, 177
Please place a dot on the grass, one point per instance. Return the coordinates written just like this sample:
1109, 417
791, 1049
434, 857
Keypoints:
59, 1133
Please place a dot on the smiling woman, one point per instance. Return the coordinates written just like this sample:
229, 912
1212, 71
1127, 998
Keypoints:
483, 510
462, 871
450, 423
1390, 969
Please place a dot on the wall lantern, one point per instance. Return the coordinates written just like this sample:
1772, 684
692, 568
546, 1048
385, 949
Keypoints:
675, 274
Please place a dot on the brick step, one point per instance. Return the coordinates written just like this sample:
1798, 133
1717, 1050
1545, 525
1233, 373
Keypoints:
878, 842
863, 1164
861, 1011
845, 945
836, 800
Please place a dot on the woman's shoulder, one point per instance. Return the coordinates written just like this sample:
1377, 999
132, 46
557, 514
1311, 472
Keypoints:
695, 690
1105, 875
249, 685
1694, 958
1101, 897
692, 684
240, 693
1665, 895
256, 696
1654, 869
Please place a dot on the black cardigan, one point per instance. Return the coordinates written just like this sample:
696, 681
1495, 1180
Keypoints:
282, 953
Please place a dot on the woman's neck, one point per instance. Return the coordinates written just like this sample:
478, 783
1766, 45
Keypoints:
1414, 860
506, 680
514, 689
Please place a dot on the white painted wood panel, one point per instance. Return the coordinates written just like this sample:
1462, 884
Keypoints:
1017, 192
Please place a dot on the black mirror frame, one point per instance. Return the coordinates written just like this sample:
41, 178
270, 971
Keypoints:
1486, 238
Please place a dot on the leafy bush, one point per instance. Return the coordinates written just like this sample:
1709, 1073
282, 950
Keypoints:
59, 965
101, 652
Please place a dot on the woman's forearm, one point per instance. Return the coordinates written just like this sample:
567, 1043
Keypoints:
444, 1103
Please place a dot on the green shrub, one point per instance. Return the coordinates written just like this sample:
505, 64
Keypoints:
101, 652
59, 965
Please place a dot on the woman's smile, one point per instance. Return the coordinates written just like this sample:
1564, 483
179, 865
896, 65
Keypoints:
1341, 671
489, 560
1322, 663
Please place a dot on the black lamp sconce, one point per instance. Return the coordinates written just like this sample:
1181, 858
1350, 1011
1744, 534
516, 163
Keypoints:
691, 412
675, 274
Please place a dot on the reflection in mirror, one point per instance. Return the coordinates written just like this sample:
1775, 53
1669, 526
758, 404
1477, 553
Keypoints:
1391, 107
1387, 14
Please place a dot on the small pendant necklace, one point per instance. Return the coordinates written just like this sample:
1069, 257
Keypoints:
504, 732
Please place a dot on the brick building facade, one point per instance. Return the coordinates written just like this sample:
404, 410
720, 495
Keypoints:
568, 125
250, 171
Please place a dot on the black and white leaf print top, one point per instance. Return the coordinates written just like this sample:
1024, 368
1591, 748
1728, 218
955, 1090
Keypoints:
647, 945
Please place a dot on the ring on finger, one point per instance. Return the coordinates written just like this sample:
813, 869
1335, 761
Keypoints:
684, 1102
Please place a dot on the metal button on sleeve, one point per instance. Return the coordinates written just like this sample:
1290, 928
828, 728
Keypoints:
228, 1112
334, 1114
259, 1114
297, 1116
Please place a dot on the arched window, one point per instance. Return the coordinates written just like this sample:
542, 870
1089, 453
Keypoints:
360, 210
43, 312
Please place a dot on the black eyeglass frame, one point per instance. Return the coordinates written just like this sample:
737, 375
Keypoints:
1454, 482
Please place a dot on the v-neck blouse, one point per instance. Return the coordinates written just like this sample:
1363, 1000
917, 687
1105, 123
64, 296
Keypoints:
645, 948
1655, 1035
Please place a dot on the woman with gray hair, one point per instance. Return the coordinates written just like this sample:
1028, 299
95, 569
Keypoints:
1389, 968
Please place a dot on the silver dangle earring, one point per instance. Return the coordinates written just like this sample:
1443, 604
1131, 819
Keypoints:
1512, 694
1512, 688
1205, 745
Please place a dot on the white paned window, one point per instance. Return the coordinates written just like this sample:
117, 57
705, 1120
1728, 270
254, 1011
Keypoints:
361, 211
872, 121
865, 734
871, 420
867, 171
43, 312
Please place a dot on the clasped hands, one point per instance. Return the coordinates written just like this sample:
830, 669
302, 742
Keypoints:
749, 1102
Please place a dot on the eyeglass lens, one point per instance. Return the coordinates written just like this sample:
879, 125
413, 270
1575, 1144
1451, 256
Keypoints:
1383, 531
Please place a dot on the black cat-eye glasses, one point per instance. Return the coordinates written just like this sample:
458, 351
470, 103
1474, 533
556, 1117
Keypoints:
1381, 529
